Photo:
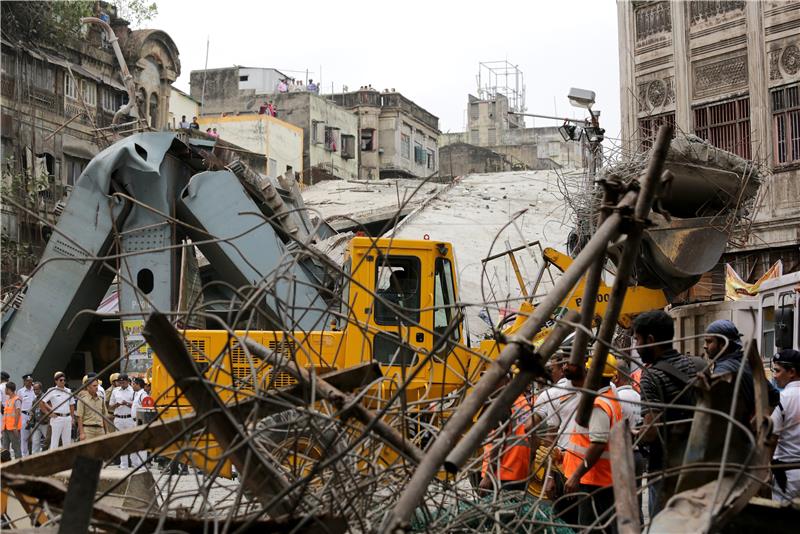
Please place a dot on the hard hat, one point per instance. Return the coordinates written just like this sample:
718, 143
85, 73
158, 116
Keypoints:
610, 368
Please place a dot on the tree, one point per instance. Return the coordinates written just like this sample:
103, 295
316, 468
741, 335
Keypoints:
57, 22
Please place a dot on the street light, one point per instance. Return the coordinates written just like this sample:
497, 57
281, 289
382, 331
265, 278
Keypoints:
581, 98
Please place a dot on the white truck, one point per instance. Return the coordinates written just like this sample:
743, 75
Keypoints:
771, 317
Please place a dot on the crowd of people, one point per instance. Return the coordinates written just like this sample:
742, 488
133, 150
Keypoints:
36, 419
540, 445
290, 85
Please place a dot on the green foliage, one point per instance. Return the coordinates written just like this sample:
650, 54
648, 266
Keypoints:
57, 22
46, 22
136, 12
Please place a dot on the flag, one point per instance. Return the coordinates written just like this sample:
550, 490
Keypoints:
736, 288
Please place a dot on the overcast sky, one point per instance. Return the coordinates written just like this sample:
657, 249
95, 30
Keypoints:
427, 50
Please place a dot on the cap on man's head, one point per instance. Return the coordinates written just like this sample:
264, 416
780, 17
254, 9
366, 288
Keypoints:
123, 376
726, 328
788, 357
4, 375
114, 377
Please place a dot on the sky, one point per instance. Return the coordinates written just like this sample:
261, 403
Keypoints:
429, 51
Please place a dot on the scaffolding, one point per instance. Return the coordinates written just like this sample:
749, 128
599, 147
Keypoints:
503, 78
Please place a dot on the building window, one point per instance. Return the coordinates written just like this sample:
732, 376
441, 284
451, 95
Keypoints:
315, 135
330, 138
110, 100
474, 137
348, 146
74, 167
70, 86
431, 159
244, 78
648, 128
473, 111
786, 124
89, 93
725, 125
42, 76
368, 139
405, 145
419, 154
272, 168
492, 136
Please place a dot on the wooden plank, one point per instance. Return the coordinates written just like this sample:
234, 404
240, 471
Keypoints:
161, 433
79, 500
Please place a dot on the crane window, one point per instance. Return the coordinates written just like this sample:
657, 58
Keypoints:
397, 283
443, 298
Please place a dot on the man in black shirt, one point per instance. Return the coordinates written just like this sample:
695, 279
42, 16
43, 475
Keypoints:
666, 379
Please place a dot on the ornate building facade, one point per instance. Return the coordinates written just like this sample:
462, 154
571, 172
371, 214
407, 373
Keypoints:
729, 72
58, 102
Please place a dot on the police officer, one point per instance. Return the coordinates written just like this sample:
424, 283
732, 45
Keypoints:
120, 403
58, 405
28, 398
786, 425
39, 423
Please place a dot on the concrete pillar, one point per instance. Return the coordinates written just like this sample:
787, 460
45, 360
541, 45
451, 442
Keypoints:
627, 91
682, 62
760, 130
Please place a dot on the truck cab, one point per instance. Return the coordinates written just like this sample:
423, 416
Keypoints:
399, 298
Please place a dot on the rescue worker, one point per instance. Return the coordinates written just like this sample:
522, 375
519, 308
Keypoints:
28, 398
507, 455
91, 411
786, 425
587, 465
4, 378
39, 422
121, 401
58, 406
12, 420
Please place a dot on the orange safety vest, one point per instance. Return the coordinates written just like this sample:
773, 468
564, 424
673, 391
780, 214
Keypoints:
579, 443
9, 414
515, 462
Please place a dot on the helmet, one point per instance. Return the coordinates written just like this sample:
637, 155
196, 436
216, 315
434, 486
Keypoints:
610, 368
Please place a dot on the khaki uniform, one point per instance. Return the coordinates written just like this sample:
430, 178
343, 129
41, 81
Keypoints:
92, 411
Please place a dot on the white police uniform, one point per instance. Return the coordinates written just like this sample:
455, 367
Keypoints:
28, 397
122, 414
60, 418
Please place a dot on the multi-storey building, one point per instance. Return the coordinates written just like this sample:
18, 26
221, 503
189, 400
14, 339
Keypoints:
729, 72
58, 102
396, 137
329, 131
491, 126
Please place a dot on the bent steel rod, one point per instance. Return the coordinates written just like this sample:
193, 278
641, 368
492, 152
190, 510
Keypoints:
341, 400
462, 417
644, 202
500, 406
